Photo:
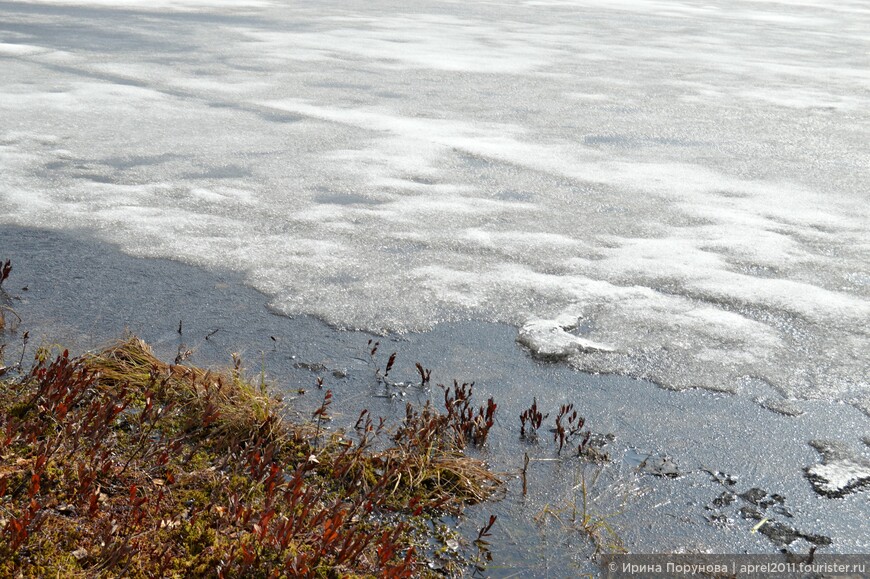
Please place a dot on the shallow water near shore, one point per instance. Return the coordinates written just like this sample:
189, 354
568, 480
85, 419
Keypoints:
83, 293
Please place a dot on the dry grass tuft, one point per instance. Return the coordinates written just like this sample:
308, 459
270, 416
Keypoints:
231, 406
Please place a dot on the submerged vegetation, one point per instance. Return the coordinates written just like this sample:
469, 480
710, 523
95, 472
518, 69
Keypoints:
576, 514
117, 464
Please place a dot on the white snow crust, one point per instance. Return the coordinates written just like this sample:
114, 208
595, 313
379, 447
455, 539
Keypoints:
690, 181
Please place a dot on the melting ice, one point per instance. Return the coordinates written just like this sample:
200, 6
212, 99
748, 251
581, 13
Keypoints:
683, 184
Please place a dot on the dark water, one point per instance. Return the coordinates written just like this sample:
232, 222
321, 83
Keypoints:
83, 293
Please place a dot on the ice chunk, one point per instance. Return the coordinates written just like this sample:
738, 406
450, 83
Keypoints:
841, 472
548, 339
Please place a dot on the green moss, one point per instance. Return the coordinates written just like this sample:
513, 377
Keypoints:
19, 409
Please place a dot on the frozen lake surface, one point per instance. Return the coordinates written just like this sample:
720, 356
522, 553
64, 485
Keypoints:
685, 183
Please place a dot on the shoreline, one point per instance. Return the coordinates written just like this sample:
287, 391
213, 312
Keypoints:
92, 292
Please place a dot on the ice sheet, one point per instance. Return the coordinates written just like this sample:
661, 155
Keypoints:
683, 183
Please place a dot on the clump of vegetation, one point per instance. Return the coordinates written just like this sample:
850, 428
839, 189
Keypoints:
568, 428
117, 464
5, 270
573, 427
577, 513
534, 417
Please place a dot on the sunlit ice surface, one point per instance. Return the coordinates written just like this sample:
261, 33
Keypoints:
670, 190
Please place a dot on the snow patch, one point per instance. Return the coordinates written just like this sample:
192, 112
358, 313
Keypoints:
549, 339
841, 472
